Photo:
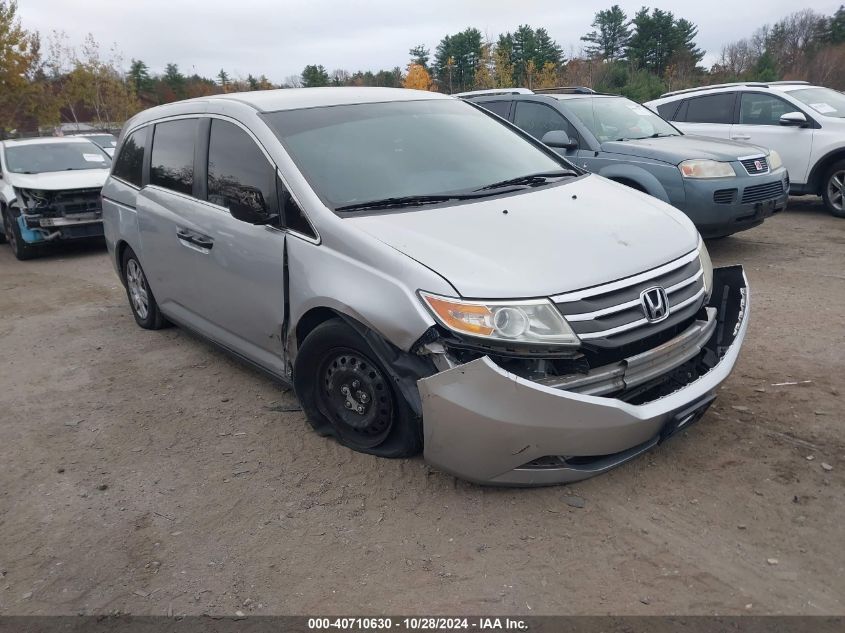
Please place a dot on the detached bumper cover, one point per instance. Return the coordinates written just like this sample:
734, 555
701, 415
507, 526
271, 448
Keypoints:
487, 425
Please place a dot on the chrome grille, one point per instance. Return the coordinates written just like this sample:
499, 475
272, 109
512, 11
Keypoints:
755, 165
612, 314
766, 191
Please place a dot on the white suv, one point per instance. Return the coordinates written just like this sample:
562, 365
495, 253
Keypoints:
805, 124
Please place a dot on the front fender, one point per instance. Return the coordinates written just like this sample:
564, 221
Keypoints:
636, 174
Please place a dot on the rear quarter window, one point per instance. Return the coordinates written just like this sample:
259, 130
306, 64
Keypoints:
502, 108
668, 110
717, 108
130, 161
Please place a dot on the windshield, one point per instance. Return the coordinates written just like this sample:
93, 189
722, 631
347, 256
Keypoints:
618, 119
44, 157
103, 140
357, 153
822, 100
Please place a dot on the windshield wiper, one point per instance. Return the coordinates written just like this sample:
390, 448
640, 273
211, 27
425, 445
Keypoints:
662, 135
406, 201
531, 179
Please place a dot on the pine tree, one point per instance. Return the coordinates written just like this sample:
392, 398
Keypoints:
314, 76
420, 56
610, 36
139, 76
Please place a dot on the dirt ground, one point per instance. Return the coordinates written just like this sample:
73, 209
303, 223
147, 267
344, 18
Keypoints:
149, 473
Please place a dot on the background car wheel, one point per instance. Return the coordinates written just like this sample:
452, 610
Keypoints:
346, 392
12, 231
833, 189
141, 299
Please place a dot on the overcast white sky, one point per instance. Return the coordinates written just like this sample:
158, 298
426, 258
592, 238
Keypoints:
279, 38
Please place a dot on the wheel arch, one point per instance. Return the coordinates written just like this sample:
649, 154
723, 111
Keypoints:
636, 178
814, 182
405, 368
311, 319
119, 250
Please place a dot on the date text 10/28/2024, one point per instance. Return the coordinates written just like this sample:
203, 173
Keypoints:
417, 624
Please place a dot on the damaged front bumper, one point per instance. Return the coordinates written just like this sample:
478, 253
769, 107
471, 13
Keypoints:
487, 425
46, 216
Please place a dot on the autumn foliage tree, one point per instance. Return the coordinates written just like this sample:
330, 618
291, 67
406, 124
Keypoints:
417, 78
23, 95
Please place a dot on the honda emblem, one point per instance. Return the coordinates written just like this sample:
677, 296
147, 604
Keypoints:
655, 304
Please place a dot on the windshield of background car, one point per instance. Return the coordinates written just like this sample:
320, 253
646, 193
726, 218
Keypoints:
46, 157
103, 140
617, 119
355, 153
823, 100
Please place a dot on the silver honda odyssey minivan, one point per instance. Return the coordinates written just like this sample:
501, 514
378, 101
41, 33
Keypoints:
429, 278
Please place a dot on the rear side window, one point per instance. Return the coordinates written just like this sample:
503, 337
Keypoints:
761, 109
238, 171
718, 108
537, 119
668, 110
502, 108
172, 163
130, 160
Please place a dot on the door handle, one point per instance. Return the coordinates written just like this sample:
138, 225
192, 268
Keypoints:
197, 239
741, 137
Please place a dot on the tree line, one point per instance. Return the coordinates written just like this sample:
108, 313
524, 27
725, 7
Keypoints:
44, 80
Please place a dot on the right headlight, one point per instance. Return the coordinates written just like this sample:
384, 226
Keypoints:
706, 168
536, 321
706, 266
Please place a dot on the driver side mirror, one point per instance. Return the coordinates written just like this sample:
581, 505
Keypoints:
246, 204
793, 119
559, 138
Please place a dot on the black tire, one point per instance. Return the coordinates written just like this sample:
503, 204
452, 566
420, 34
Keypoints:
335, 373
835, 202
12, 231
141, 300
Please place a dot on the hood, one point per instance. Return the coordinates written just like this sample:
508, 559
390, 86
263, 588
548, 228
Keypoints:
555, 239
59, 180
675, 149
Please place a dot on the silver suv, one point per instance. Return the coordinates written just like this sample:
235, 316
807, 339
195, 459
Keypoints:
428, 277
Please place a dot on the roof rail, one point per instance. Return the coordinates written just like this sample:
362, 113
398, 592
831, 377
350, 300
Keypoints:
573, 90
494, 91
756, 84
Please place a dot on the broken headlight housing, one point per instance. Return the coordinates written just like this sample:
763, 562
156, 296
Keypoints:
535, 321
706, 267
33, 198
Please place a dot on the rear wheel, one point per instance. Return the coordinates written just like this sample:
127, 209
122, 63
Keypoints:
833, 189
12, 231
346, 392
141, 299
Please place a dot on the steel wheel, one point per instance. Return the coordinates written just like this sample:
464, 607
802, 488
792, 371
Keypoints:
354, 392
836, 190
137, 285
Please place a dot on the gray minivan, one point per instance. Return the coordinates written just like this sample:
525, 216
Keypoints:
428, 277
722, 185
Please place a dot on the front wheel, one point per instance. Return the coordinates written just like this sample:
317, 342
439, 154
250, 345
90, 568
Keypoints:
12, 231
833, 189
346, 392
